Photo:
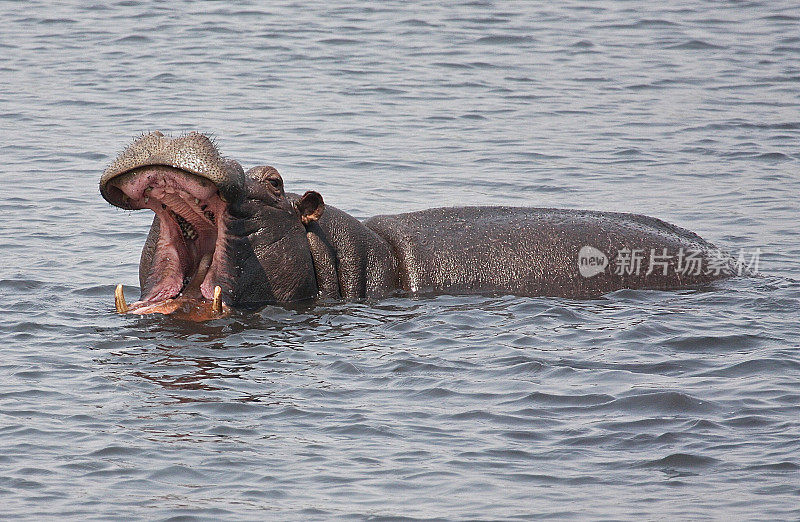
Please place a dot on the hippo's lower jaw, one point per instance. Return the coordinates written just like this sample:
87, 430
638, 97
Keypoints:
188, 257
182, 307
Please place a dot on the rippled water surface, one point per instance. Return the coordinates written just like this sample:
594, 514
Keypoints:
655, 405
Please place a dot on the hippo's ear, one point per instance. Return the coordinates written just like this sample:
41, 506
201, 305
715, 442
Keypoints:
310, 207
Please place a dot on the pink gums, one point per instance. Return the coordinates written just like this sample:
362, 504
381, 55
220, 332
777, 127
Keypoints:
167, 192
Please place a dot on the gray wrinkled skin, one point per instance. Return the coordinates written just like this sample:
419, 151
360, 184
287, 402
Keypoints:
520, 251
350, 260
529, 251
273, 262
284, 247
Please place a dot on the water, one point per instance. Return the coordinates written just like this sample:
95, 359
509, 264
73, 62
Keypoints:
639, 405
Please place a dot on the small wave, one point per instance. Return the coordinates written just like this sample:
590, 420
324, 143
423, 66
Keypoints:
361, 430
749, 421
781, 18
627, 152
661, 402
712, 343
436, 393
452, 65
503, 40
640, 24
524, 436
339, 41
58, 21
537, 156
755, 366
165, 78
217, 29
681, 461
482, 415
133, 39
345, 367
20, 284
289, 412
696, 45
772, 156
115, 451
416, 22
778, 466
656, 22
547, 399
176, 472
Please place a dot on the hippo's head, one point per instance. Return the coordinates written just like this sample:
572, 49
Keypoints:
214, 226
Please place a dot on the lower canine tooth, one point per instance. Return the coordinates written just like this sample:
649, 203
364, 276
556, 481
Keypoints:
216, 304
119, 300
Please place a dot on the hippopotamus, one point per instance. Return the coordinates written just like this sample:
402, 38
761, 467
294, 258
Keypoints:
224, 238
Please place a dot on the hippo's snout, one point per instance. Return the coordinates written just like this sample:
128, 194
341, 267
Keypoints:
193, 153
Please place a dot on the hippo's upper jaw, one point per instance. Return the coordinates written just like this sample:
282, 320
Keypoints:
188, 185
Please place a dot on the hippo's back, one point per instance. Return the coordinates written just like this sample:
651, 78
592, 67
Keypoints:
533, 251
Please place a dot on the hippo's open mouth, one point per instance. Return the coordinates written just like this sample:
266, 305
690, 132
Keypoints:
190, 248
184, 266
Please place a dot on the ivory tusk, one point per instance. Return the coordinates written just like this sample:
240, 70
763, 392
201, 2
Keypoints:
119, 300
216, 304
